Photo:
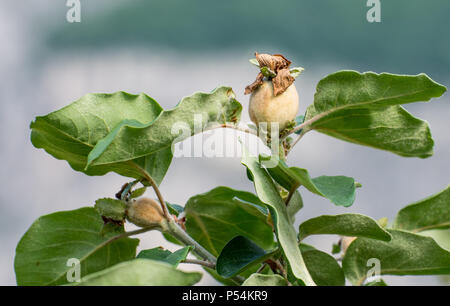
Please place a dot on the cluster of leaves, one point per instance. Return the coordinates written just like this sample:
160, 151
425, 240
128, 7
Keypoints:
251, 234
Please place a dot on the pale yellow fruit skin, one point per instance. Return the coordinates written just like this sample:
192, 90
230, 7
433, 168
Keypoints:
265, 107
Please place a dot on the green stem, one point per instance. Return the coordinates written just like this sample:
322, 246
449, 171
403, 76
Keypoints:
175, 230
126, 234
297, 140
281, 153
291, 193
200, 262
239, 128
152, 182
210, 261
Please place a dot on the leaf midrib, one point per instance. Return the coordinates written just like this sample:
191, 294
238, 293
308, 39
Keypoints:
85, 257
428, 227
355, 105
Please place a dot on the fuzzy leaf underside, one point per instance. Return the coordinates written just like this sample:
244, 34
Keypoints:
72, 132
287, 237
405, 254
364, 108
352, 225
128, 134
340, 190
427, 214
136, 140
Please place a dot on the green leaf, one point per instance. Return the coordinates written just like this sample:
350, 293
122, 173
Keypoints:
294, 205
164, 255
111, 208
405, 254
340, 190
220, 279
72, 132
254, 61
244, 275
155, 164
392, 129
194, 113
324, 269
43, 252
257, 279
364, 108
138, 192
378, 283
442, 237
351, 89
287, 237
178, 256
296, 71
237, 255
141, 272
430, 213
267, 72
352, 225
158, 253
215, 217
336, 248
175, 209
306, 247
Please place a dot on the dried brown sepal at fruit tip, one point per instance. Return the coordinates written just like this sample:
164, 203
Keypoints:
273, 62
259, 80
278, 64
282, 81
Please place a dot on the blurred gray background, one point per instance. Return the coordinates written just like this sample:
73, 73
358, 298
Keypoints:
172, 48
